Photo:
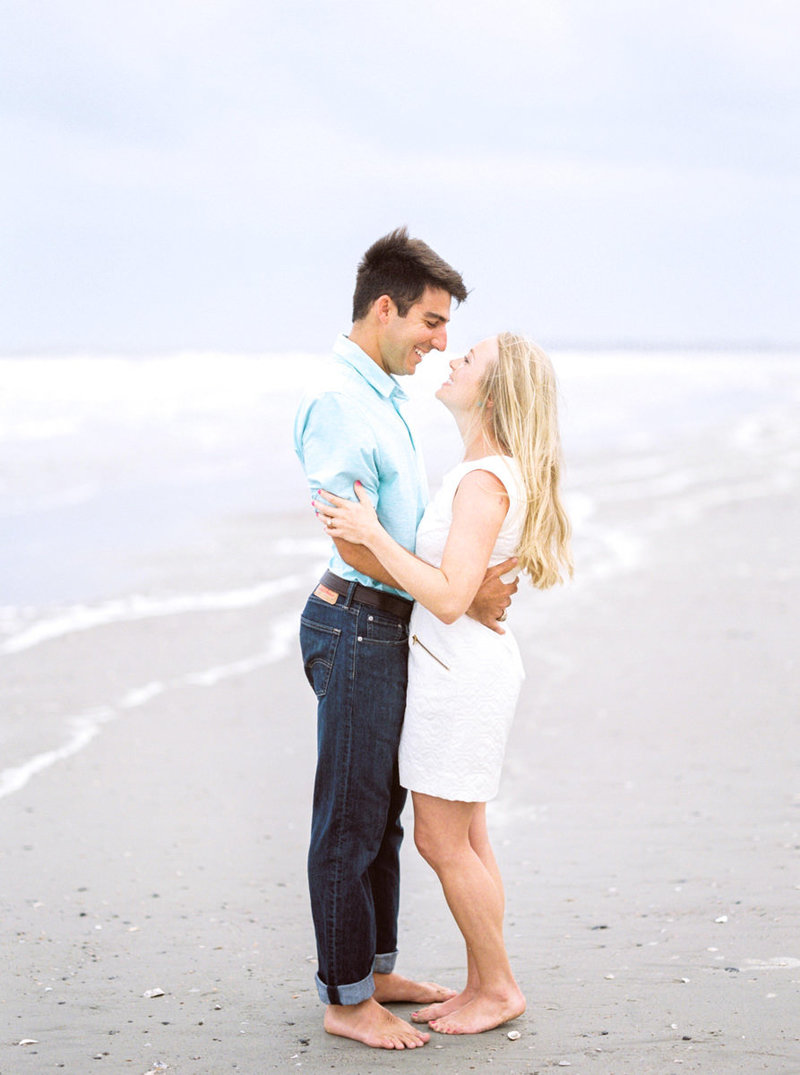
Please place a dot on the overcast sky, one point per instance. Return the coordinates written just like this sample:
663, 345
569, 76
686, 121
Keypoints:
206, 174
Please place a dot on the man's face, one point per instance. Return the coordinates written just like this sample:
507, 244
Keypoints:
406, 340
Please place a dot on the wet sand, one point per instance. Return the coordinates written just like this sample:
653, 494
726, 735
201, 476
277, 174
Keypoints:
648, 829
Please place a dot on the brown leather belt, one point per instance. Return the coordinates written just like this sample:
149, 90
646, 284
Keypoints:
365, 595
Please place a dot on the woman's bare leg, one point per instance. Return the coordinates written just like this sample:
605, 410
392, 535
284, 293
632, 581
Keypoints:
444, 832
479, 840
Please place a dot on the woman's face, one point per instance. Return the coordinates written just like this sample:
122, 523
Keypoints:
460, 391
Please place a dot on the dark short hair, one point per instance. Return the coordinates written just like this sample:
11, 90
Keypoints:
402, 268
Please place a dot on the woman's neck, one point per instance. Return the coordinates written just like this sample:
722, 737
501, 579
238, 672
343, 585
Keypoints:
477, 441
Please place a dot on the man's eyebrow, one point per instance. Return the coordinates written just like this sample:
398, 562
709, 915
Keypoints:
431, 316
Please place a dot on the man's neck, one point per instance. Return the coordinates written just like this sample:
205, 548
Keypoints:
365, 337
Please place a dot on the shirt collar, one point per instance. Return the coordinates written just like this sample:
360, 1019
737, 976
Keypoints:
383, 383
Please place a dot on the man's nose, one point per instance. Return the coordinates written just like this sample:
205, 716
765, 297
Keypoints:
439, 338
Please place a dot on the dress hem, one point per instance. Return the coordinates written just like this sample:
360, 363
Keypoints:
451, 796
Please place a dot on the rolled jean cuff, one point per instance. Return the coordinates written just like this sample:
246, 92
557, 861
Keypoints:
346, 994
384, 963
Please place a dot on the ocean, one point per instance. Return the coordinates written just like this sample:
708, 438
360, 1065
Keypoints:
141, 490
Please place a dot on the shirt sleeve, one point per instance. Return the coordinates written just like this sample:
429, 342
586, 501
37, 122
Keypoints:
337, 447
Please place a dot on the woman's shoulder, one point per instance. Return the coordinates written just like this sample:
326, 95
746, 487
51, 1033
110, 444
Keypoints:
502, 466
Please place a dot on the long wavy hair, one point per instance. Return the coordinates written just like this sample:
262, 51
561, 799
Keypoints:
518, 398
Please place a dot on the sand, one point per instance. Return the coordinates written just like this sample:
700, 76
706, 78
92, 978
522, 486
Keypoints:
648, 829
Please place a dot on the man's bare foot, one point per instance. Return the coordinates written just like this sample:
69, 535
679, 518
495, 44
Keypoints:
484, 1012
447, 1007
371, 1024
395, 989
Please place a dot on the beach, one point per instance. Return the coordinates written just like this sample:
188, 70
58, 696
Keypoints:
158, 735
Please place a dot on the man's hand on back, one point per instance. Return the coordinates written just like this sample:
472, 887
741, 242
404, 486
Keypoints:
494, 597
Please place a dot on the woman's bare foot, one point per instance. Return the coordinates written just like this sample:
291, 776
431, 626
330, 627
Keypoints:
395, 989
371, 1024
484, 1012
447, 1007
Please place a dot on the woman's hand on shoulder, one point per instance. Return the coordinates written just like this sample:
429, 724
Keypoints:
354, 521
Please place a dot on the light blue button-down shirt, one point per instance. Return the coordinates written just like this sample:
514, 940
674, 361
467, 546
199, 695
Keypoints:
352, 426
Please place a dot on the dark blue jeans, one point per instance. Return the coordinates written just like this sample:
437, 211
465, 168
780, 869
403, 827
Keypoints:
356, 659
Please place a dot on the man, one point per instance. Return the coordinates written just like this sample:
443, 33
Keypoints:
354, 635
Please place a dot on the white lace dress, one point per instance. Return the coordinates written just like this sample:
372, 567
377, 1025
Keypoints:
463, 678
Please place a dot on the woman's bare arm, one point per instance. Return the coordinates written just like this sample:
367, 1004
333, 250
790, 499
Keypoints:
479, 507
490, 602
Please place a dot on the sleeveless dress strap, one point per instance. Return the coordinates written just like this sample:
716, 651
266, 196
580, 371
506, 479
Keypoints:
502, 468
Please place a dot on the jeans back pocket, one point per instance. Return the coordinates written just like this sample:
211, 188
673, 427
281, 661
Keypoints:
318, 644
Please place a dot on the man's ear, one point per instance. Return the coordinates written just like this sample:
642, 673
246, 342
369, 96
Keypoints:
384, 307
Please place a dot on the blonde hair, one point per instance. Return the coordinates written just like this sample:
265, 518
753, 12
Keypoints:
519, 400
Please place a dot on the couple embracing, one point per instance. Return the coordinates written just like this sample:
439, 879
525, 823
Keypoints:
416, 679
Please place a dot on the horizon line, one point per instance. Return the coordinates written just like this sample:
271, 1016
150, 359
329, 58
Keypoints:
555, 345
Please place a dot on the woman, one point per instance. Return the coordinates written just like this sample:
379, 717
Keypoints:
464, 680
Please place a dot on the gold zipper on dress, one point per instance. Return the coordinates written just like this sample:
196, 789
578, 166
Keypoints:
437, 659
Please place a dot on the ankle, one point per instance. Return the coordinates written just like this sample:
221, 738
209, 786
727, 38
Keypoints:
351, 1009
